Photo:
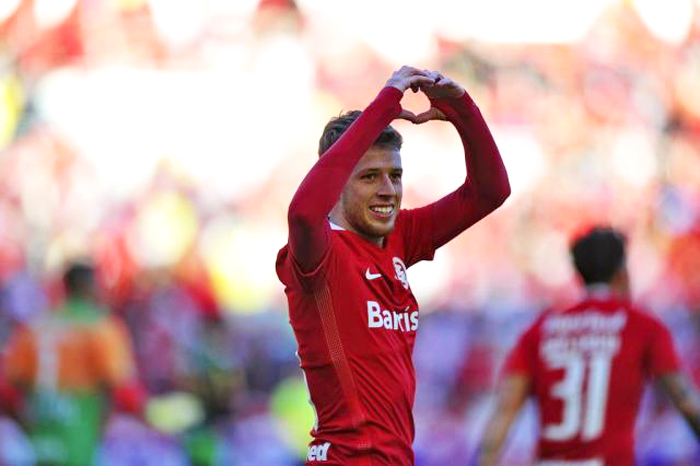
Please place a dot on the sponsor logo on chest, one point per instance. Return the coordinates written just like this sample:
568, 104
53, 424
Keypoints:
391, 320
318, 452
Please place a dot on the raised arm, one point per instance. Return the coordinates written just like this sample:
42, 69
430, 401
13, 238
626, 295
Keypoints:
510, 397
309, 233
684, 397
486, 185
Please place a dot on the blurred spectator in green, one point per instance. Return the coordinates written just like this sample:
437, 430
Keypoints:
70, 363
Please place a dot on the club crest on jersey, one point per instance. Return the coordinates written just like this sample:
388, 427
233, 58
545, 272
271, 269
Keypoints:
400, 269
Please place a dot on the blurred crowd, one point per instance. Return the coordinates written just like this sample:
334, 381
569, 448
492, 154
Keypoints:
161, 141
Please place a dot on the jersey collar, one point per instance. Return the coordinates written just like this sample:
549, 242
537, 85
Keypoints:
599, 290
335, 226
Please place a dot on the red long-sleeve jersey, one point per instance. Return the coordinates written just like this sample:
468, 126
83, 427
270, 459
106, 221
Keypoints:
350, 302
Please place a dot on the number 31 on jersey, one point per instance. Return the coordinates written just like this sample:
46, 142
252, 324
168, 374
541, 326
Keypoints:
580, 416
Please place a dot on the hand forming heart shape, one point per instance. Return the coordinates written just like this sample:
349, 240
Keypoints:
431, 114
432, 83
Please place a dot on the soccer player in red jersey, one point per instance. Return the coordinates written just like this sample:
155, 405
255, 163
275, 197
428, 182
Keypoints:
344, 267
586, 367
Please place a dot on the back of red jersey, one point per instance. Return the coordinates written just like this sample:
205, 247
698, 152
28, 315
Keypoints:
588, 365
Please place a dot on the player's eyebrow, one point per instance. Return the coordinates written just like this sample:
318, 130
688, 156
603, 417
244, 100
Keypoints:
378, 170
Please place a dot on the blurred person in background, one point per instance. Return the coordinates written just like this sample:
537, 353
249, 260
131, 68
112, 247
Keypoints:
344, 268
586, 367
69, 363
15, 447
21, 299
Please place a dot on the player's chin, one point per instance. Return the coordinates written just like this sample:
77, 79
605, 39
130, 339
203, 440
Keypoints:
381, 227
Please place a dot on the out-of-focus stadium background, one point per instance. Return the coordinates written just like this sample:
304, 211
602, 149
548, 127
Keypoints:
163, 139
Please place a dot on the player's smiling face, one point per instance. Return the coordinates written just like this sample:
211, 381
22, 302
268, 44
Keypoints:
371, 199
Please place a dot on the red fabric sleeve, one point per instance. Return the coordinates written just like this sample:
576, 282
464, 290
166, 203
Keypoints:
662, 356
486, 186
309, 233
291, 274
523, 357
417, 231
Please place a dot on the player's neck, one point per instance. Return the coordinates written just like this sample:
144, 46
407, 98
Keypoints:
620, 283
604, 290
338, 222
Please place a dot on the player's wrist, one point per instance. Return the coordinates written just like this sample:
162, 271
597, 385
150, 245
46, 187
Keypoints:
456, 95
399, 85
391, 91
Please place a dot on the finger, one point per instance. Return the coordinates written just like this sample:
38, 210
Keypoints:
411, 71
434, 75
407, 115
420, 81
439, 115
440, 79
447, 82
418, 71
423, 117
429, 115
